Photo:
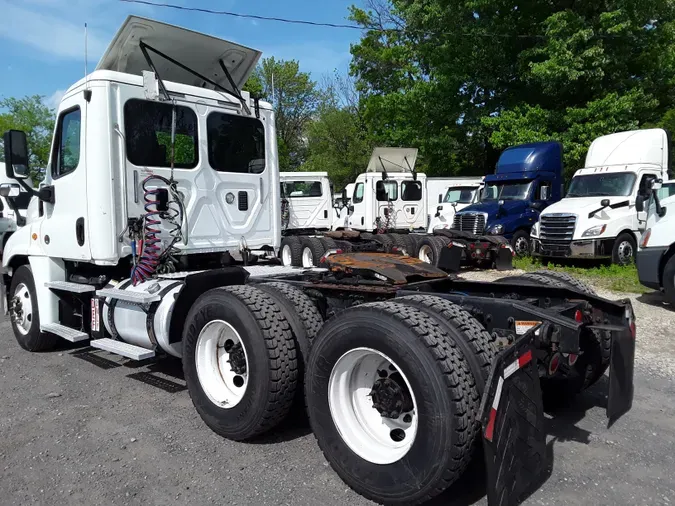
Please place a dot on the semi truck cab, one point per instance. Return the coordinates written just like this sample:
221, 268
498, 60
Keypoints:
528, 179
597, 217
656, 254
458, 195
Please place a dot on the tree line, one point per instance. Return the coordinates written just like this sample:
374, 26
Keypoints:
461, 81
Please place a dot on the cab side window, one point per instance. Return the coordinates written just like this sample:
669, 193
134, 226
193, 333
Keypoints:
66, 156
358, 194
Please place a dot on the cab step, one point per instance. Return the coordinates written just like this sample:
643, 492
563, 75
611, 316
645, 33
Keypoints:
67, 333
127, 296
67, 286
120, 348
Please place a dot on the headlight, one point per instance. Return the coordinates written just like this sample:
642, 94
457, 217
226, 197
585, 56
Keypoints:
535, 230
496, 230
594, 231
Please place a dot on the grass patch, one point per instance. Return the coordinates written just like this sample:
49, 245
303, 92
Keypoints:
610, 277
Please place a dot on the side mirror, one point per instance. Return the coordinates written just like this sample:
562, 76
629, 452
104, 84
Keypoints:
10, 190
350, 208
440, 199
438, 211
543, 193
604, 202
537, 205
344, 195
656, 184
16, 154
501, 203
639, 202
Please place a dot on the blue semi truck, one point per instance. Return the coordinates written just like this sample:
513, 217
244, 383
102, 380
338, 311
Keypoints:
528, 178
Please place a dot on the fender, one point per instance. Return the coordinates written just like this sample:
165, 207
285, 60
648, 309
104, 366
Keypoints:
22, 245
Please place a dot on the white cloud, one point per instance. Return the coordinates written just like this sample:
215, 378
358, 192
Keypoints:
54, 99
48, 33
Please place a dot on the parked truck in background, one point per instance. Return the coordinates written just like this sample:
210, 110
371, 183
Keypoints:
459, 194
656, 253
13, 209
152, 259
597, 218
528, 178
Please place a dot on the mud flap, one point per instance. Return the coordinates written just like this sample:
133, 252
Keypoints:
621, 368
512, 415
450, 258
504, 259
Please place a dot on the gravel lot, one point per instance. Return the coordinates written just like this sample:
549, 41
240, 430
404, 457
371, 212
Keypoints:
83, 427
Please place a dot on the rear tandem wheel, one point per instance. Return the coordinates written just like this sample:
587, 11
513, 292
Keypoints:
395, 398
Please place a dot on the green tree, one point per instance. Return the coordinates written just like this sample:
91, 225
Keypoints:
464, 79
338, 141
295, 98
31, 115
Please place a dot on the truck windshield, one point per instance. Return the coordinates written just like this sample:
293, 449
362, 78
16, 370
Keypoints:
460, 194
602, 185
516, 190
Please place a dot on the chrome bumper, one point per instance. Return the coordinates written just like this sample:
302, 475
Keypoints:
584, 248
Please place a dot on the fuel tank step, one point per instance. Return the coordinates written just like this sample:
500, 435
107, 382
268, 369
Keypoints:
67, 286
128, 296
72, 335
124, 349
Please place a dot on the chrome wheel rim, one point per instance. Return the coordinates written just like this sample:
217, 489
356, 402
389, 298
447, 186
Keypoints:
22, 310
286, 255
625, 251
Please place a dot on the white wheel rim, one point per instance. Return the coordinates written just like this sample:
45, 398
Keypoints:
307, 258
25, 320
223, 386
425, 253
286, 255
372, 436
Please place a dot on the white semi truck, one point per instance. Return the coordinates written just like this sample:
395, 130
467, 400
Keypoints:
162, 181
459, 193
597, 217
656, 253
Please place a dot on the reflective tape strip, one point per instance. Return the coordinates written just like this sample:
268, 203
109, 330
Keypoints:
498, 393
522, 361
490, 429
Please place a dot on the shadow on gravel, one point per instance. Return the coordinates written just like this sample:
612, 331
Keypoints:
656, 299
165, 374
295, 426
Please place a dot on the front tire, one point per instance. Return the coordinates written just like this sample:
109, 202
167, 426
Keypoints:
25, 313
520, 242
624, 249
239, 361
373, 442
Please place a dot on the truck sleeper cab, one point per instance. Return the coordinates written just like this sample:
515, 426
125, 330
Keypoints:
597, 217
528, 178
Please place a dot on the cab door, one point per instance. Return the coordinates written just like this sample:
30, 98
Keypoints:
357, 218
63, 231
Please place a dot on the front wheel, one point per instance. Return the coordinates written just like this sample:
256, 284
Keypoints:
624, 249
25, 314
395, 398
521, 243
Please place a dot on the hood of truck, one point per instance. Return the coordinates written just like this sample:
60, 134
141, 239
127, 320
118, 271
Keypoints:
581, 205
200, 52
491, 208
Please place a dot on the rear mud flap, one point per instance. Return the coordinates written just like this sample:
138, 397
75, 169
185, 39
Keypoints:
621, 369
450, 258
512, 416
504, 259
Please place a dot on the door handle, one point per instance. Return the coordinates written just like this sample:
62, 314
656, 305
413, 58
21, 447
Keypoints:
79, 231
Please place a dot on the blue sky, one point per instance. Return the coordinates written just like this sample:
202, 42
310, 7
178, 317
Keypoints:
42, 41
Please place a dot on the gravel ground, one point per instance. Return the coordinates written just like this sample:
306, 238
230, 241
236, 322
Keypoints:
79, 426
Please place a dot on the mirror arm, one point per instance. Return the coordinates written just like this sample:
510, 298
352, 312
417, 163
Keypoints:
660, 210
20, 220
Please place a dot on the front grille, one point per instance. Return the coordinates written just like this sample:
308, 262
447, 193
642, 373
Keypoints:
557, 228
469, 222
